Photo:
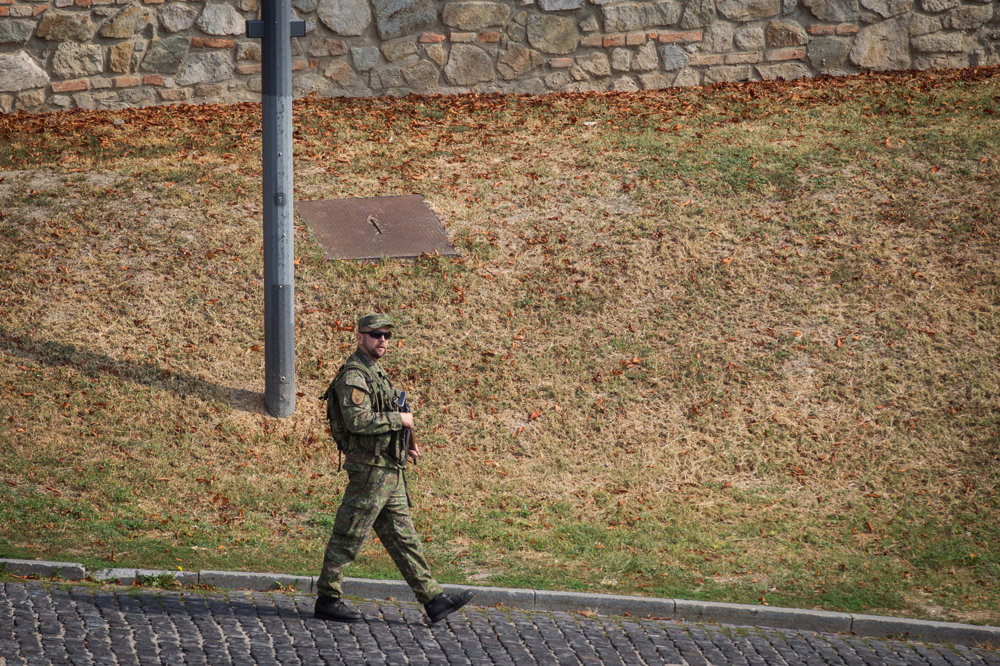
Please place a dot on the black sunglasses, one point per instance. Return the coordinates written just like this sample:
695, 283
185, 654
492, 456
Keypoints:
385, 335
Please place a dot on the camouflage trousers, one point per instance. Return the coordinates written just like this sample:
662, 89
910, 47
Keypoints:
376, 498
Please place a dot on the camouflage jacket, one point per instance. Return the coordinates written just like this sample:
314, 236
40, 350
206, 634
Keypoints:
371, 415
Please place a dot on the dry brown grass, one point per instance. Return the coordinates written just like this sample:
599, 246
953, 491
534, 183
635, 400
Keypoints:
733, 343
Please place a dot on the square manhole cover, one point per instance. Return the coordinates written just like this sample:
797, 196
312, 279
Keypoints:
401, 227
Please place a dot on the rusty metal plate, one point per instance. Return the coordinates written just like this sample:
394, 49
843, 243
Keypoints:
401, 227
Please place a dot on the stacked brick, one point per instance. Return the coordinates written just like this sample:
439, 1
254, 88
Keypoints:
57, 54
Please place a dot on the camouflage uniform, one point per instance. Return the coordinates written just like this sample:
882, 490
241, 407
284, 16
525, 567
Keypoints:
376, 495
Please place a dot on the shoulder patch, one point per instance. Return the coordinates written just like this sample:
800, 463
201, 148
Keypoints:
358, 396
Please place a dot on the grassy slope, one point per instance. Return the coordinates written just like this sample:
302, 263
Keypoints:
734, 343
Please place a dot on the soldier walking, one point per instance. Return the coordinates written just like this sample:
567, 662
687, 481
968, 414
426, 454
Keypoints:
371, 431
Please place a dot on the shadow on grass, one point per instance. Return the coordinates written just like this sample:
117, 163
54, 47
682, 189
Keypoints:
57, 354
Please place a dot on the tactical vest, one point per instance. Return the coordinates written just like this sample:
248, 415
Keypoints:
379, 449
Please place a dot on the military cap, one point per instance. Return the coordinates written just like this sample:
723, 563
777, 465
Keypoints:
373, 321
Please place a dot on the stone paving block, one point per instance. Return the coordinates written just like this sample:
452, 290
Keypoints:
48, 624
607, 604
746, 614
244, 580
43, 569
938, 632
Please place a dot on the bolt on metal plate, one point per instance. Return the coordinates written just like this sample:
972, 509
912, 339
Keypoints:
402, 227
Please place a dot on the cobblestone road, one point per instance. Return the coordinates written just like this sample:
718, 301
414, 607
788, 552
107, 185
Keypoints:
44, 624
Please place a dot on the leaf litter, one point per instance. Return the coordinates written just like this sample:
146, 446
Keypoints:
697, 339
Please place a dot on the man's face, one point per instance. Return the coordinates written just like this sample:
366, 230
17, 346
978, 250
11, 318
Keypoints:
375, 342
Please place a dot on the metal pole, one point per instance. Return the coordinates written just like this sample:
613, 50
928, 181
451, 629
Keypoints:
279, 238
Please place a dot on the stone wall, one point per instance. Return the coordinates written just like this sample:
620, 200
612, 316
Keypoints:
57, 54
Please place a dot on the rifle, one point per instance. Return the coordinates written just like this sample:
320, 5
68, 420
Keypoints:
407, 433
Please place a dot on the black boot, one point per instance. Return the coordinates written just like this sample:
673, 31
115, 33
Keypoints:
445, 604
330, 608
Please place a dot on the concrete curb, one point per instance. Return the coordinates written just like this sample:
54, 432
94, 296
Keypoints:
607, 604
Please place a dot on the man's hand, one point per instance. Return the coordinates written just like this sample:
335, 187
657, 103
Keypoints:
407, 419
414, 451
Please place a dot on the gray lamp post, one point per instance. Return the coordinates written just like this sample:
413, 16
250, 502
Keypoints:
275, 30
